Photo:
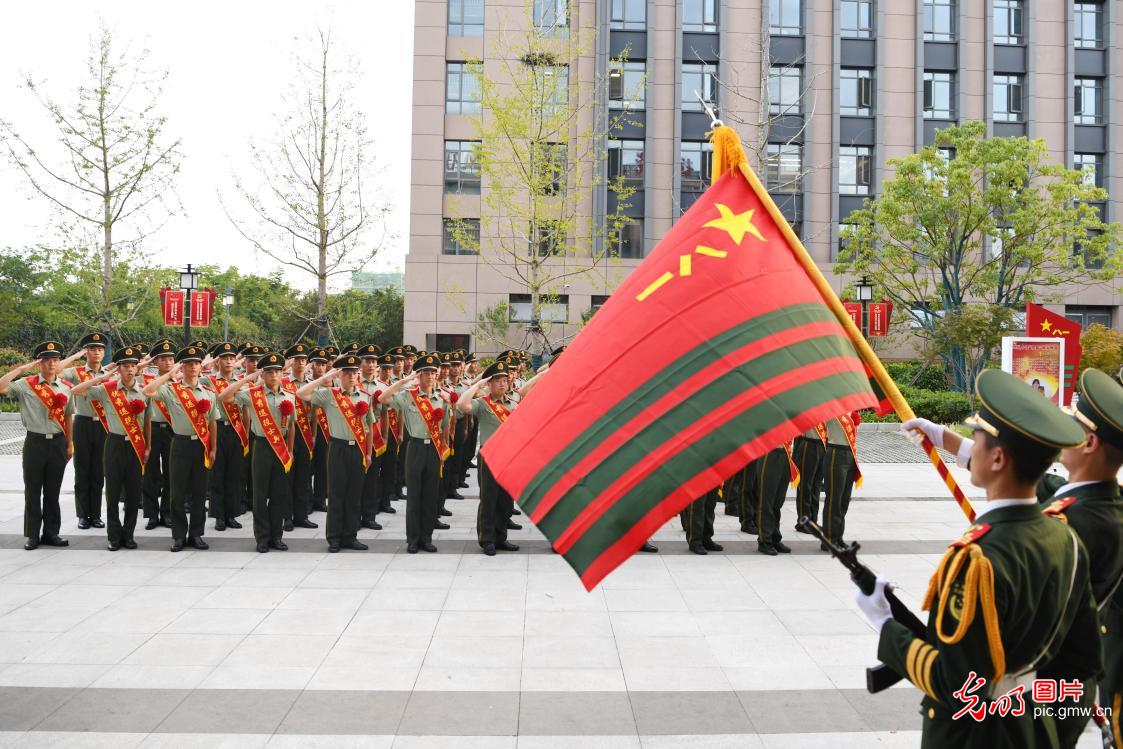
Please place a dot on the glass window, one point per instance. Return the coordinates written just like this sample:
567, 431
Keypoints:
552, 308
625, 161
629, 15
700, 78
785, 17
939, 95
785, 89
784, 168
939, 20
1092, 166
1008, 98
1089, 315
597, 301
551, 14
629, 239
855, 170
1087, 25
856, 92
550, 164
551, 238
462, 93
462, 167
1008, 16
626, 83
857, 19
461, 236
696, 159
465, 17
1088, 101
699, 15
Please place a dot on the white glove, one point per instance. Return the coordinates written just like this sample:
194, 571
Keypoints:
875, 606
934, 432
963, 457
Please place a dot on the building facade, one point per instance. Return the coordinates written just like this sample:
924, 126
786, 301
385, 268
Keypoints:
847, 84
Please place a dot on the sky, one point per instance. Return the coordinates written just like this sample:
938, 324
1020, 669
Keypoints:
229, 65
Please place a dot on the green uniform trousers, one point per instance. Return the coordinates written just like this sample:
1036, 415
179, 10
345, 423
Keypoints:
300, 476
89, 474
423, 485
732, 491
386, 466
372, 485
808, 455
226, 474
496, 507
188, 478
773, 476
122, 476
156, 489
44, 463
320, 471
747, 503
700, 518
345, 488
272, 493
839, 476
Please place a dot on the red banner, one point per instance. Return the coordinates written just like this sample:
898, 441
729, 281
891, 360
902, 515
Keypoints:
202, 307
879, 318
1041, 323
172, 300
854, 309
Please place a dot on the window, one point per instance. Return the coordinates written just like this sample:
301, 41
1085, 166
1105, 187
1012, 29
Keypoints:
465, 17
451, 341
939, 96
462, 93
1087, 25
785, 17
551, 238
597, 301
797, 227
855, 170
461, 236
462, 168
626, 81
550, 166
784, 168
699, 15
1007, 98
856, 92
629, 239
785, 87
1089, 315
554, 82
857, 19
700, 78
939, 20
1092, 166
696, 159
551, 308
998, 242
1088, 101
629, 15
844, 228
1008, 16
625, 161
550, 15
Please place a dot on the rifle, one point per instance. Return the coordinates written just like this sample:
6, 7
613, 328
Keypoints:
880, 677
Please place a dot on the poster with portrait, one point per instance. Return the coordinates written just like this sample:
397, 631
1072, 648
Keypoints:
1039, 362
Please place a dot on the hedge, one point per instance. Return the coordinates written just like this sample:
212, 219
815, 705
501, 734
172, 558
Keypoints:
940, 406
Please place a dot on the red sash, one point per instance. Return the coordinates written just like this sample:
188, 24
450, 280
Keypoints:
47, 398
395, 424
322, 420
821, 429
133, 431
234, 416
501, 412
269, 426
354, 421
792, 470
84, 375
195, 416
303, 424
148, 378
425, 408
851, 432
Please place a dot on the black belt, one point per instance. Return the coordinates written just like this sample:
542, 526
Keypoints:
80, 416
186, 437
44, 436
115, 436
422, 440
352, 443
161, 424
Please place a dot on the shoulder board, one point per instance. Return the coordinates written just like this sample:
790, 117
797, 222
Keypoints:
1059, 506
973, 534
206, 387
362, 390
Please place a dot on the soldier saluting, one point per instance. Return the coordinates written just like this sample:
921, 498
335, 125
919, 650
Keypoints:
90, 427
156, 488
232, 444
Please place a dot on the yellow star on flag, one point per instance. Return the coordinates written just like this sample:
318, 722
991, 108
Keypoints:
1046, 325
735, 224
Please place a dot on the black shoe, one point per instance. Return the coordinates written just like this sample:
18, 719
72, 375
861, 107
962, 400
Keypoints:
288, 526
698, 549
232, 523
750, 529
219, 524
411, 549
152, 523
429, 548
304, 524
177, 544
97, 523
782, 547
387, 509
446, 513
516, 511
649, 548
31, 545
319, 508
333, 548
374, 525
112, 546
83, 524
357, 545
454, 495
399, 494
710, 545
441, 526
462, 485
513, 526
507, 546
263, 547
472, 464
490, 550
279, 545
166, 522
768, 549
800, 529
128, 543
197, 543
54, 541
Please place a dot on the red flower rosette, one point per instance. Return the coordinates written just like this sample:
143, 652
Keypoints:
203, 404
286, 408
453, 396
136, 406
362, 408
60, 400
439, 413
377, 395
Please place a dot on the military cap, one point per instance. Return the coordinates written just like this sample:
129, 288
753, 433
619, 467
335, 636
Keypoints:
47, 349
470, 359
126, 355
254, 352
347, 361
332, 351
420, 354
318, 354
224, 348
140, 348
446, 359
266, 349
456, 357
1100, 407
297, 349
1012, 411
497, 369
191, 353
271, 361
429, 361
398, 352
350, 348
370, 351
386, 360
93, 339
505, 353
411, 350
162, 347
199, 343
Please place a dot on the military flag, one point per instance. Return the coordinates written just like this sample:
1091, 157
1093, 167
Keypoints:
1041, 323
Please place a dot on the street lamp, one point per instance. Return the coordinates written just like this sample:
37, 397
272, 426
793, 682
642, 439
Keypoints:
188, 281
227, 302
864, 290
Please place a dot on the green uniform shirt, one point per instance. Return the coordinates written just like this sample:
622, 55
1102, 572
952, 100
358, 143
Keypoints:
82, 405
835, 435
154, 412
489, 422
337, 425
274, 399
415, 425
32, 412
373, 386
212, 380
180, 423
98, 393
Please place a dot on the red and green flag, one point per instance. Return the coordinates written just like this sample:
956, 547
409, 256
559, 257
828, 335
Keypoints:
718, 348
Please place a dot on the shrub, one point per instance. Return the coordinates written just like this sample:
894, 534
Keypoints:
940, 406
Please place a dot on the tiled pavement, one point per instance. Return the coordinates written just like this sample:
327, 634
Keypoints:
382, 649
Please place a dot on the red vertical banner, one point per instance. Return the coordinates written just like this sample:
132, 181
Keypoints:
173, 306
879, 318
854, 309
202, 304
1041, 323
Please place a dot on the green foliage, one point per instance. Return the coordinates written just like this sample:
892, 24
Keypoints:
942, 407
1102, 349
918, 374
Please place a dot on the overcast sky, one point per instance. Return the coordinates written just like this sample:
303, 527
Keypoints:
229, 64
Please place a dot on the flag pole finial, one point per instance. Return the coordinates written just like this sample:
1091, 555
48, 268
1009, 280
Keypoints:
728, 152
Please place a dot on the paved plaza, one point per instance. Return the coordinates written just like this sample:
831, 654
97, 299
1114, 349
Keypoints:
229, 647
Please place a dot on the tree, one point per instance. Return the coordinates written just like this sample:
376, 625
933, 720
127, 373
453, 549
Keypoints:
314, 205
996, 223
1102, 349
116, 165
541, 157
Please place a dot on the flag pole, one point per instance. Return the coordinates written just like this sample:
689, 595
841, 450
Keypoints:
728, 152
